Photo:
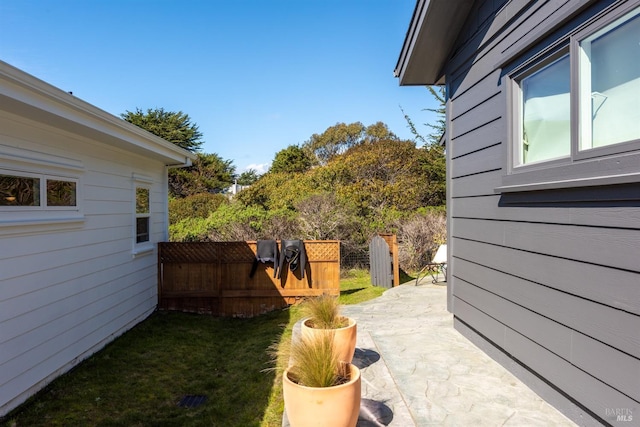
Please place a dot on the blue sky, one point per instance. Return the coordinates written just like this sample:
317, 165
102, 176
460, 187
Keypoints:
255, 75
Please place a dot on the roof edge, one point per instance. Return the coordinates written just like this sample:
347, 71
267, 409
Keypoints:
432, 33
43, 96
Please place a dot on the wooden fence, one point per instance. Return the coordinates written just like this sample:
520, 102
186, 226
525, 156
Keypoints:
213, 277
392, 241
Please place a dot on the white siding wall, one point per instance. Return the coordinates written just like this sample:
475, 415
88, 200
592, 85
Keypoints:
66, 289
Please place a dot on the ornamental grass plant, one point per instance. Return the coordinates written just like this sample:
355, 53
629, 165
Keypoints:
324, 312
314, 362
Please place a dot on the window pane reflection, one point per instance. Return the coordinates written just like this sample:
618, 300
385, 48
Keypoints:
546, 125
61, 193
612, 59
19, 191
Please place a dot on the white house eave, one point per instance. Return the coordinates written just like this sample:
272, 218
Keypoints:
433, 31
25, 95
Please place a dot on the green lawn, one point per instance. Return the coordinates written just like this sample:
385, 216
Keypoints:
355, 287
139, 379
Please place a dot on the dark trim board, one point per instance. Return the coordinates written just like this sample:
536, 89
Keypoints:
535, 382
622, 195
486, 207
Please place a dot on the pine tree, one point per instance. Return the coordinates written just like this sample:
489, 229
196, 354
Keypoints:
440, 126
173, 127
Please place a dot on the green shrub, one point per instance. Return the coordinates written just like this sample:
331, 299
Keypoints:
195, 206
189, 230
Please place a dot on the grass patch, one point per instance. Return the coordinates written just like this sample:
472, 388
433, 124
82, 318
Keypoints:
138, 379
355, 287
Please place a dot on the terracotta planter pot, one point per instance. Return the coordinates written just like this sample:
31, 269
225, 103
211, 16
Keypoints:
344, 339
337, 406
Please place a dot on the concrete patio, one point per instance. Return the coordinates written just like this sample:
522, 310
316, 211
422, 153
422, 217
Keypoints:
417, 370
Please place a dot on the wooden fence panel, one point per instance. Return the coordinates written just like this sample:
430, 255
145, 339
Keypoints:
392, 241
213, 277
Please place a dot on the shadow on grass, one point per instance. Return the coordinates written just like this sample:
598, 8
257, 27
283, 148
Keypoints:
140, 378
351, 291
405, 277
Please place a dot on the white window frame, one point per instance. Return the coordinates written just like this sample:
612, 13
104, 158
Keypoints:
141, 182
42, 166
611, 164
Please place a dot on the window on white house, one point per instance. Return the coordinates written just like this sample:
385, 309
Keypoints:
61, 193
584, 98
19, 191
143, 215
27, 191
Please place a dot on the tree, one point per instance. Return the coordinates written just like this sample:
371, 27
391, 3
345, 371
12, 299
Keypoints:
412, 127
439, 128
173, 127
433, 164
208, 174
248, 177
335, 140
374, 183
387, 174
276, 190
292, 159
196, 206
378, 132
322, 217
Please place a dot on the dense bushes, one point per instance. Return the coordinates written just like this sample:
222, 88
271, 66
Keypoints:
233, 221
320, 217
368, 184
195, 206
419, 237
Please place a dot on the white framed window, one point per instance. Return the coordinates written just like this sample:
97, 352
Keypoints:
142, 194
38, 197
575, 108
143, 215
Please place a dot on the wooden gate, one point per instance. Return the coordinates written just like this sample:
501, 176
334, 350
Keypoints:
383, 261
380, 261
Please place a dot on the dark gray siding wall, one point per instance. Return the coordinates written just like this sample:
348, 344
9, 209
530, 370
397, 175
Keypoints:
555, 287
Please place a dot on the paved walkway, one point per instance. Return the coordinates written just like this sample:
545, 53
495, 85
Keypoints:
418, 371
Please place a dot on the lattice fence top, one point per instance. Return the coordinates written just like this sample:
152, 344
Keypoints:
322, 250
237, 252
188, 252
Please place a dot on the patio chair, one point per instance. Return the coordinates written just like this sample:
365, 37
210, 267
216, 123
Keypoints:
437, 266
